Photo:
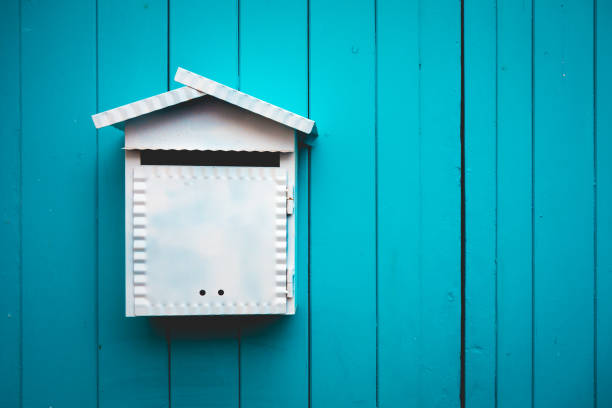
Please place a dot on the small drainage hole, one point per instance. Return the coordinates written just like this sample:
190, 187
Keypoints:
202, 292
221, 292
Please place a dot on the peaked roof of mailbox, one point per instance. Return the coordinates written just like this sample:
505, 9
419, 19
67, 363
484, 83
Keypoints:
198, 86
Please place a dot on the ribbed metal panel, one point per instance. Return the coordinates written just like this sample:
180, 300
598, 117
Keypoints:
139, 244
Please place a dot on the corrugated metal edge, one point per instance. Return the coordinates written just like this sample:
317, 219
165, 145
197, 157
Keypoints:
280, 302
144, 106
244, 101
142, 305
139, 242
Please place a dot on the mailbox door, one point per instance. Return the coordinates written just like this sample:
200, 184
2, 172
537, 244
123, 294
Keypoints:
209, 240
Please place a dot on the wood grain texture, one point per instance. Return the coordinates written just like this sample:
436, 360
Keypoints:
275, 350
204, 40
441, 212
204, 361
418, 358
204, 351
10, 205
514, 204
603, 204
59, 203
399, 227
132, 52
558, 132
343, 233
564, 205
480, 202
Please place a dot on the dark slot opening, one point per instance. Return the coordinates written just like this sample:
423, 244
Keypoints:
209, 158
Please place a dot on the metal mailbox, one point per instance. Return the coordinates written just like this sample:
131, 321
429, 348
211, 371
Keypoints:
210, 203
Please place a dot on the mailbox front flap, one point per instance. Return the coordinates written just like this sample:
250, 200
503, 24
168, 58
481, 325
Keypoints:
209, 240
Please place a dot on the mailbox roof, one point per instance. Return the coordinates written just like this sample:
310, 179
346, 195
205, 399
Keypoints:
118, 115
244, 101
198, 86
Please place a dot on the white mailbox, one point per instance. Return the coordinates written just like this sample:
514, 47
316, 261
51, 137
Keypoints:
210, 192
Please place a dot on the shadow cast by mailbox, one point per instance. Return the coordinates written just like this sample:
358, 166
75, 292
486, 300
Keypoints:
217, 327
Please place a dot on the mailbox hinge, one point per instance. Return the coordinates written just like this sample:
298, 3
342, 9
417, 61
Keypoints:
289, 201
290, 286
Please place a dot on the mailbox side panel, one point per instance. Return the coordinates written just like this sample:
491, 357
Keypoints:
288, 161
132, 159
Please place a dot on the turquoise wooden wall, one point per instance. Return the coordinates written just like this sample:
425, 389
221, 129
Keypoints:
393, 243
538, 203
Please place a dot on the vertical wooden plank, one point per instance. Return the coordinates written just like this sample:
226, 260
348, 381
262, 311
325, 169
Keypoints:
514, 218
399, 205
10, 201
274, 67
204, 351
604, 202
343, 225
480, 29
59, 203
204, 39
418, 156
275, 71
133, 352
302, 263
204, 361
440, 39
563, 241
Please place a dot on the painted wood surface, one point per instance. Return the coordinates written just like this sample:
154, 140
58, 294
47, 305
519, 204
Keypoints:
563, 201
441, 215
514, 204
10, 205
480, 203
538, 152
603, 202
418, 259
59, 321
400, 331
343, 288
379, 257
